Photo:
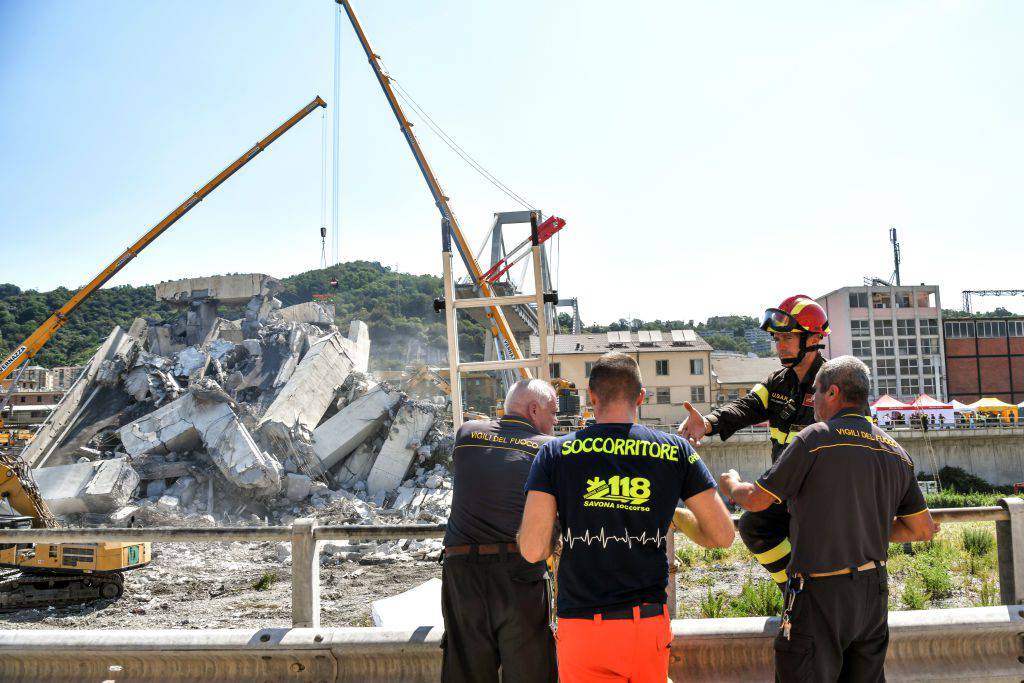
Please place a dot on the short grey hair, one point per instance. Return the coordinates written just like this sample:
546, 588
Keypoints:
525, 393
850, 374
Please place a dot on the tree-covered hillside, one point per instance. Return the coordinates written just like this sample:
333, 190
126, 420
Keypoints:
396, 306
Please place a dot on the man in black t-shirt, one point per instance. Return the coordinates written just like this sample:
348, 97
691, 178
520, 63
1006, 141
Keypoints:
614, 487
496, 606
851, 490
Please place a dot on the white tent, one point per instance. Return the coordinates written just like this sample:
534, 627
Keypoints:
888, 410
934, 411
959, 407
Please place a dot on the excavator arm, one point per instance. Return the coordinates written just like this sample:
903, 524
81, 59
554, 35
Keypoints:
18, 489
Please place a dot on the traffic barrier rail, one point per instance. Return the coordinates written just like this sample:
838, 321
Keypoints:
971, 644
304, 535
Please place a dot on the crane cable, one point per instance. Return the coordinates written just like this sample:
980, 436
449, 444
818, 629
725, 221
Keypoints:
456, 147
323, 189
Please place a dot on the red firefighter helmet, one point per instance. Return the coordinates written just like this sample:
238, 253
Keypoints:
798, 313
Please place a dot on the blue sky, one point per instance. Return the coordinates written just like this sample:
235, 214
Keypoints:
708, 157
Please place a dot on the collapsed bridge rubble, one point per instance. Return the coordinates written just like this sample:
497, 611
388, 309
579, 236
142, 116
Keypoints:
208, 420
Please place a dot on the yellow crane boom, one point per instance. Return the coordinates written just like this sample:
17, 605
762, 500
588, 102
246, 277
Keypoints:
500, 327
31, 346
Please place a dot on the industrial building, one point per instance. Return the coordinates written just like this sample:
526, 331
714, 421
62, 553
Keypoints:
985, 357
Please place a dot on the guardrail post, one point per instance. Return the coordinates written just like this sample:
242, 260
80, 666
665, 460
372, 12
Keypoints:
1010, 548
305, 575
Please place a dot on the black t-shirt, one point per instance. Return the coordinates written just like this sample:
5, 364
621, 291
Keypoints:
844, 481
616, 487
490, 464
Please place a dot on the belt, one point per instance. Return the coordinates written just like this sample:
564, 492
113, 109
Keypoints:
486, 549
647, 611
839, 572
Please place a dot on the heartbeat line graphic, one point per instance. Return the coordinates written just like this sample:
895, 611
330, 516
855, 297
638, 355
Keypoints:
604, 539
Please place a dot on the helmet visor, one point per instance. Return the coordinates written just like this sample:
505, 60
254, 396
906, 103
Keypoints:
776, 320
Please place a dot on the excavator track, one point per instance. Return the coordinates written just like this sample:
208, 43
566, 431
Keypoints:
28, 590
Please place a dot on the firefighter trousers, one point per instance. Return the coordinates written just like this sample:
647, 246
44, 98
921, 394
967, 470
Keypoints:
766, 535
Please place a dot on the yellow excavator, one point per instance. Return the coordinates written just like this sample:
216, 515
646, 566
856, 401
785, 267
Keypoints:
54, 574
570, 415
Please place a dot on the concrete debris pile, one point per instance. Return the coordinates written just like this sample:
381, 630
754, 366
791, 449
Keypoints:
254, 420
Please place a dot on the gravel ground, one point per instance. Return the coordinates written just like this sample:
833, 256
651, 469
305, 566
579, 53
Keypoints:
207, 585
197, 585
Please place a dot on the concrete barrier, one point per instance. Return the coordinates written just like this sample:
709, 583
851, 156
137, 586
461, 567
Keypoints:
976, 644
996, 454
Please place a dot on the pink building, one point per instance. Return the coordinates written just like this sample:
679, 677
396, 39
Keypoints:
897, 331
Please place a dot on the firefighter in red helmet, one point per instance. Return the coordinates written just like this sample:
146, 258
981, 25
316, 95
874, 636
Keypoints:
786, 401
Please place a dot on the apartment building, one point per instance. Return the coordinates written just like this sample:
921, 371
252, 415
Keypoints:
897, 331
676, 367
64, 376
985, 357
734, 374
30, 407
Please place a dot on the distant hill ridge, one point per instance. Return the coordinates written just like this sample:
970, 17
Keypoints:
398, 307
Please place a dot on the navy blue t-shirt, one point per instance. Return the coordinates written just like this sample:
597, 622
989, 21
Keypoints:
616, 487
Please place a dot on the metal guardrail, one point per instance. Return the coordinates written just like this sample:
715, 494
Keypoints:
974, 644
304, 535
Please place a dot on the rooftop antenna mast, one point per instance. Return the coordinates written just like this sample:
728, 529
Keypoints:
895, 256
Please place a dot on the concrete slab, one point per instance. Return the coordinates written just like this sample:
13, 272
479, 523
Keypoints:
227, 289
297, 486
343, 432
301, 403
356, 467
102, 486
56, 425
309, 312
188, 424
411, 424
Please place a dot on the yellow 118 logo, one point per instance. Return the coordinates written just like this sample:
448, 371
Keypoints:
632, 490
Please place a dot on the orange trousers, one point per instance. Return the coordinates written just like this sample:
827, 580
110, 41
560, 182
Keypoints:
624, 650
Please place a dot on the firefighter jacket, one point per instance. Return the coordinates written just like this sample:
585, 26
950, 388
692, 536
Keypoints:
785, 402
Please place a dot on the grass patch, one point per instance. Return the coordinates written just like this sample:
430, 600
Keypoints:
914, 595
761, 598
713, 605
952, 499
988, 594
936, 580
687, 555
715, 554
265, 581
978, 542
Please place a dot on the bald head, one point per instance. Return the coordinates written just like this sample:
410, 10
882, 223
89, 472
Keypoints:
535, 400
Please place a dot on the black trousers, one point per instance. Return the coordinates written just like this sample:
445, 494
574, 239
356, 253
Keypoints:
766, 536
496, 615
840, 630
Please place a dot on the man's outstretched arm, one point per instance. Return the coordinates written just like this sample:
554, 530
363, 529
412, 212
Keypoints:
705, 521
748, 496
537, 527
